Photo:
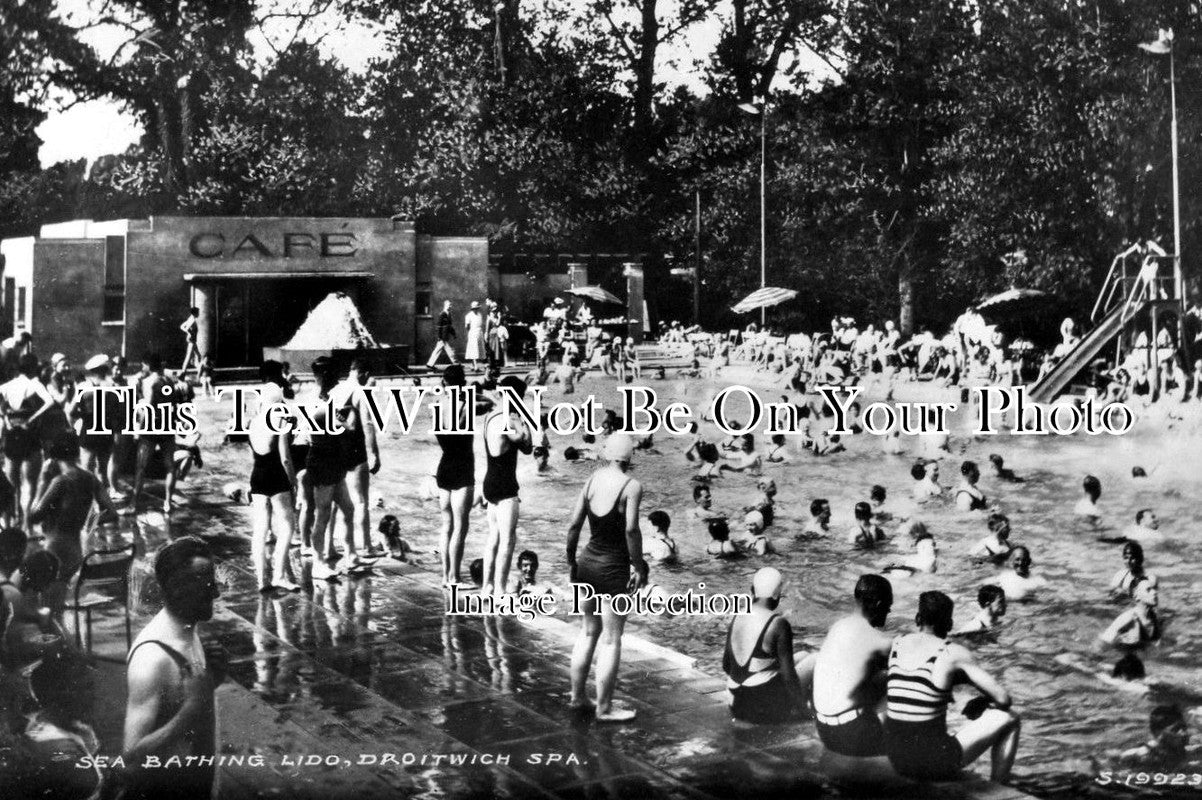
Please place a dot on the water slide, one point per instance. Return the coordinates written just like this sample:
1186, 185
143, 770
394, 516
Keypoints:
1046, 388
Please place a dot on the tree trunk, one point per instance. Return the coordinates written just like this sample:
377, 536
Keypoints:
644, 69
905, 296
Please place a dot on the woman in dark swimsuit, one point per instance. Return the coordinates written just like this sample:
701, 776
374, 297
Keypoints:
615, 544
272, 479
500, 488
456, 479
968, 495
327, 470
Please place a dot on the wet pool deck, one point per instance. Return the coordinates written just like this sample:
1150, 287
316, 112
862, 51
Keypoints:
372, 666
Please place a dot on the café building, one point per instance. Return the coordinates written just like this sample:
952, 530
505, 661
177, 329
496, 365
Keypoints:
123, 287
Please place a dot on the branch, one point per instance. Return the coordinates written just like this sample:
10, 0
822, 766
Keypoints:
621, 38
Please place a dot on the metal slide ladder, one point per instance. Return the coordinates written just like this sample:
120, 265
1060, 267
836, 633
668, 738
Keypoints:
1123, 297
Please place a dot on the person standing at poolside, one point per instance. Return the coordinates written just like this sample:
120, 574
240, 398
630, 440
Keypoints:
923, 668
171, 710
500, 488
156, 390
361, 455
446, 335
189, 327
272, 484
23, 400
326, 466
456, 479
849, 672
615, 545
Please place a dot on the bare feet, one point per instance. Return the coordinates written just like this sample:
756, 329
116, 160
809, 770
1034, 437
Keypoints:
615, 715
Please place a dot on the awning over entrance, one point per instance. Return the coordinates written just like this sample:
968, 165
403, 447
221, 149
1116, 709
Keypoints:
243, 275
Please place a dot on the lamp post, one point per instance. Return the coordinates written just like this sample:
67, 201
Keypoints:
1164, 46
762, 112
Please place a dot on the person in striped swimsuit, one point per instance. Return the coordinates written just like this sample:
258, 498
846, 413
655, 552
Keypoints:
923, 668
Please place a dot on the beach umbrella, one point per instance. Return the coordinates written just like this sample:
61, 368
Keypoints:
596, 294
764, 298
1013, 301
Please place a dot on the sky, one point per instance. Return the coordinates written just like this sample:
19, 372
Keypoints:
95, 128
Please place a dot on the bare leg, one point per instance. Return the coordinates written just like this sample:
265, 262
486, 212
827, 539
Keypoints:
445, 530
260, 511
305, 510
284, 523
169, 488
31, 467
491, 546
358, 535
323, 498
994, 730
609, 655
461, 506
145, 449
582, 654
507, 529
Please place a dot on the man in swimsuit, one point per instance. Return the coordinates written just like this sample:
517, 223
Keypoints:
849, 673
500, 488
326, 466
1017, 582
765, 684
1138, 626
62, 508
996, 546
923, 668
362, 455
171, 709
1146, 529
189, 327
866, 534
992, 601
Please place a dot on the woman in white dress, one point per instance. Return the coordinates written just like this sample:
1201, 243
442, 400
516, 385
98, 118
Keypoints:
473, 323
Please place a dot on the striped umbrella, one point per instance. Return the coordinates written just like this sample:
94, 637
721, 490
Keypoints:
764, 298
596, 294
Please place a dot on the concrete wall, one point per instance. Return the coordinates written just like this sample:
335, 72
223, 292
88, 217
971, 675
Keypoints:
450, 268
67, 300
158, 259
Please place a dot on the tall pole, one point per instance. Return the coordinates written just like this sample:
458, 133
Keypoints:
763, 203
697, 259
1178, 275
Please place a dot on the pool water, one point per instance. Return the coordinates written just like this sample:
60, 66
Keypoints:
1073, 722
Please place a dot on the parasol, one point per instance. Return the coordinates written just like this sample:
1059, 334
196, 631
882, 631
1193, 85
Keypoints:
596, 294
764, 298
1012, 301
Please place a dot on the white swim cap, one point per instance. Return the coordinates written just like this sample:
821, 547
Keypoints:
767, 583
754, 518
96, 362
619, 447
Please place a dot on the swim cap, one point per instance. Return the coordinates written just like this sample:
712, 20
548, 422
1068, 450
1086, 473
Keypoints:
619, 447
767, 583
754, 518
96, 362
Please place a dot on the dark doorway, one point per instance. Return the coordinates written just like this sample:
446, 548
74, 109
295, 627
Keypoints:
265, 312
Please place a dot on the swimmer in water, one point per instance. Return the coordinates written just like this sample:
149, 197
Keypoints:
968, 495
659, 546
876, 498
925, 556
754, 540
1168, 748
996, 546
778, 453
827, 444
1138, 626
1087, 506
926, 480
992, 601
1122, 585
865, 534
1146, 529
1017, 582
703, 502
526, 581
820, 520
746, 459
720, 545
766, 502
1001, 471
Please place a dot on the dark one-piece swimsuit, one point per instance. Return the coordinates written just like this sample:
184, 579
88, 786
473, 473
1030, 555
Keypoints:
501, 473
605, 562
268, 476
457, 467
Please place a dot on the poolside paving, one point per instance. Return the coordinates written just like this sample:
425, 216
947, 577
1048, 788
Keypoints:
366, 689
